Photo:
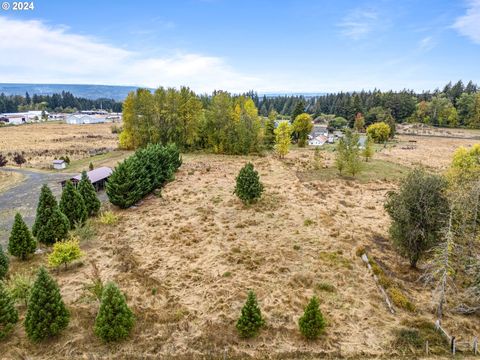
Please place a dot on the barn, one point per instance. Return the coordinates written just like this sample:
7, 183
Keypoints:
98, 177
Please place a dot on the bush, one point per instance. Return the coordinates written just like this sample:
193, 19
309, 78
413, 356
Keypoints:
64, 252
312, 323
4, 262
19, 159
56, 228
248, 188
141, 173
3, 160
379, 132
19, 286
400, 300
348, 153
46, 315
250, 321
84, 232
21, 242
419, 211
8, 313
89, 195
114, 320
108, 218
73, 205
46, 204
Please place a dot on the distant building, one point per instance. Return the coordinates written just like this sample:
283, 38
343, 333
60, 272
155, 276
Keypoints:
98, 177
318, 141
22, 117
57, 116
79, 119
59, 164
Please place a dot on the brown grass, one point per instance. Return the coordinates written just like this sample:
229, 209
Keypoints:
43, 142
186, 260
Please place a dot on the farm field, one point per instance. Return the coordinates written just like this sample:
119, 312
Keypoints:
43, 142
187, 258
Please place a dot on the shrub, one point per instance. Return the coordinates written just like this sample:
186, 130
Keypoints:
64, 252
114, 320
250, 321
46, 204
4, 262
248, 188
94, 288
3, 160
312, 323
19, 159
46, 315
324, 286
89, 195
348, 153
400, 300
379, 132
73, 205
56, 228
21, 242
8, 313
84, 232
418, 211
108, 218
90, 166
19, 286
408, 337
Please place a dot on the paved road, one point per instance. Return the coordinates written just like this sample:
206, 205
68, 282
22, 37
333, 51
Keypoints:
23, 197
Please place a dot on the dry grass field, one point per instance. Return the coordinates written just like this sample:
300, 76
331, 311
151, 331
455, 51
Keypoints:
43, 142
187, 258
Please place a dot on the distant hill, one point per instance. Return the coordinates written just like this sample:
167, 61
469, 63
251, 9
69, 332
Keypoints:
93, 92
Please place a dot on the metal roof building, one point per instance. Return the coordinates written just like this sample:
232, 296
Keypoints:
98, 177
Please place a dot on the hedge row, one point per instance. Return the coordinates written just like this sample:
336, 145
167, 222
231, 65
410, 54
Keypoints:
146, 170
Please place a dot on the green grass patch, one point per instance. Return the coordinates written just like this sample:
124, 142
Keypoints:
371, 171
412, 336
336, 259
324, 286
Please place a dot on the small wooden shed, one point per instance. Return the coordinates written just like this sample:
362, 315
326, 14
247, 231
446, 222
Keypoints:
98, 177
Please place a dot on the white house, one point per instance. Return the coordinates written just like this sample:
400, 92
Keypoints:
318, 141
59, 164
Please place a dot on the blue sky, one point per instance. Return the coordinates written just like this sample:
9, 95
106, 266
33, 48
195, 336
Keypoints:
269, 46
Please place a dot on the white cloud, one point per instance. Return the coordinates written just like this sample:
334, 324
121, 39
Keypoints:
426, 44
37, 53
358, 23
469, 24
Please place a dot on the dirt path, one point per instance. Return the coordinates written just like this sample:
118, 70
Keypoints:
23, 197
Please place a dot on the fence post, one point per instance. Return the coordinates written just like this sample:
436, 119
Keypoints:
452, 345
475, 345
426, 348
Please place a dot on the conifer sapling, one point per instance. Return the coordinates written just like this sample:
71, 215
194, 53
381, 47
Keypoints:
46, 204
250, 321
56, 228
46, 315
89, 195
8, 312
248, 187
114, 320
4, 262
73, 205
21, 242
312, 323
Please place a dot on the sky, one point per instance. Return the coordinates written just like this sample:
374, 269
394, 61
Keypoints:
265, 45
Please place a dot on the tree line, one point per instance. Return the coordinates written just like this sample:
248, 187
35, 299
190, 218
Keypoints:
62, 102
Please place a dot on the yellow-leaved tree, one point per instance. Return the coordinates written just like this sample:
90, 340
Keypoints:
283, 138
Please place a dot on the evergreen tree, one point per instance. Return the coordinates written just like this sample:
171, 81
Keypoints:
122, 189
114, 320
248, 188
46, 315
89, 195
299, 109
312, 323
251, 319
46, 204
8, 312
4, 263
72, 205
56, 228
21, 242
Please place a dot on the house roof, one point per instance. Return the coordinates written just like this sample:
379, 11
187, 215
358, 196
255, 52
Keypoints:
58, 161
96, 174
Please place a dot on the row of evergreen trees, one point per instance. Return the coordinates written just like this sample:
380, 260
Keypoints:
54, 220
143, 172
47, 314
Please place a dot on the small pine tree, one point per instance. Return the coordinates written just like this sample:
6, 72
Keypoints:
312, 323
89, 195
46, 204
248, 188
46, 312
250, 322
56, 228
72, 205
21, 242
4, 262
114, 320
8, 313
90, 166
